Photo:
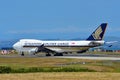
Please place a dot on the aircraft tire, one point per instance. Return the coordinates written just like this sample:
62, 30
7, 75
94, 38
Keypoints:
22, 54
58, 54
48, 54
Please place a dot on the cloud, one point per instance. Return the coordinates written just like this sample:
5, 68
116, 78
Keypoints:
70, 29
113, 29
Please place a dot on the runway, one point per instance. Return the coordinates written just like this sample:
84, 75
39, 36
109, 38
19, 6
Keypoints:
91, 58
76, 56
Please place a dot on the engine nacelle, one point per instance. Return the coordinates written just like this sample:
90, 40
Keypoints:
33, 51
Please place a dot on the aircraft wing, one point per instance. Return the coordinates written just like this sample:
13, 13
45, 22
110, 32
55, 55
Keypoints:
42, 48
47, 49
55, 49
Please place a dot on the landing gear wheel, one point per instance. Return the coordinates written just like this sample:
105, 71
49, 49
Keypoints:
34, 53
58, 54
48, 54
22, 54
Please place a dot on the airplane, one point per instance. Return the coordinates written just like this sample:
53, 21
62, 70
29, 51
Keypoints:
58, 47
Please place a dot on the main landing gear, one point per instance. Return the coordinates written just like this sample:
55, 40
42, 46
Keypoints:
56, 54
48, 54
22, 54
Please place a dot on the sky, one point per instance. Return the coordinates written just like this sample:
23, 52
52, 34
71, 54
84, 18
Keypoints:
57, 19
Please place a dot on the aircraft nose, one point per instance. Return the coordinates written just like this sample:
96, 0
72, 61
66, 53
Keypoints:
16, 45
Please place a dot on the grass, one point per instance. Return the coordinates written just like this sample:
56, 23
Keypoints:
60, 64
56, 64
62, 76
104, 70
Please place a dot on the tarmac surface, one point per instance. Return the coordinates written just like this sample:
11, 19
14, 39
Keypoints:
91, 58
76, 56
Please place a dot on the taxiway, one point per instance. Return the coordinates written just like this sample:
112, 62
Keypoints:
77, 56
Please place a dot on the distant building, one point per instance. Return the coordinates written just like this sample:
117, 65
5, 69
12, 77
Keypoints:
4, 52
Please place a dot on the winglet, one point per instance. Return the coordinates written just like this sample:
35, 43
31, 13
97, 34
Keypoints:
98, 34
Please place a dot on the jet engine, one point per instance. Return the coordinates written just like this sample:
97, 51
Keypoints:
33, 51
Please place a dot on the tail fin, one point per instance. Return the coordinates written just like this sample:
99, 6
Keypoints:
98, 33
